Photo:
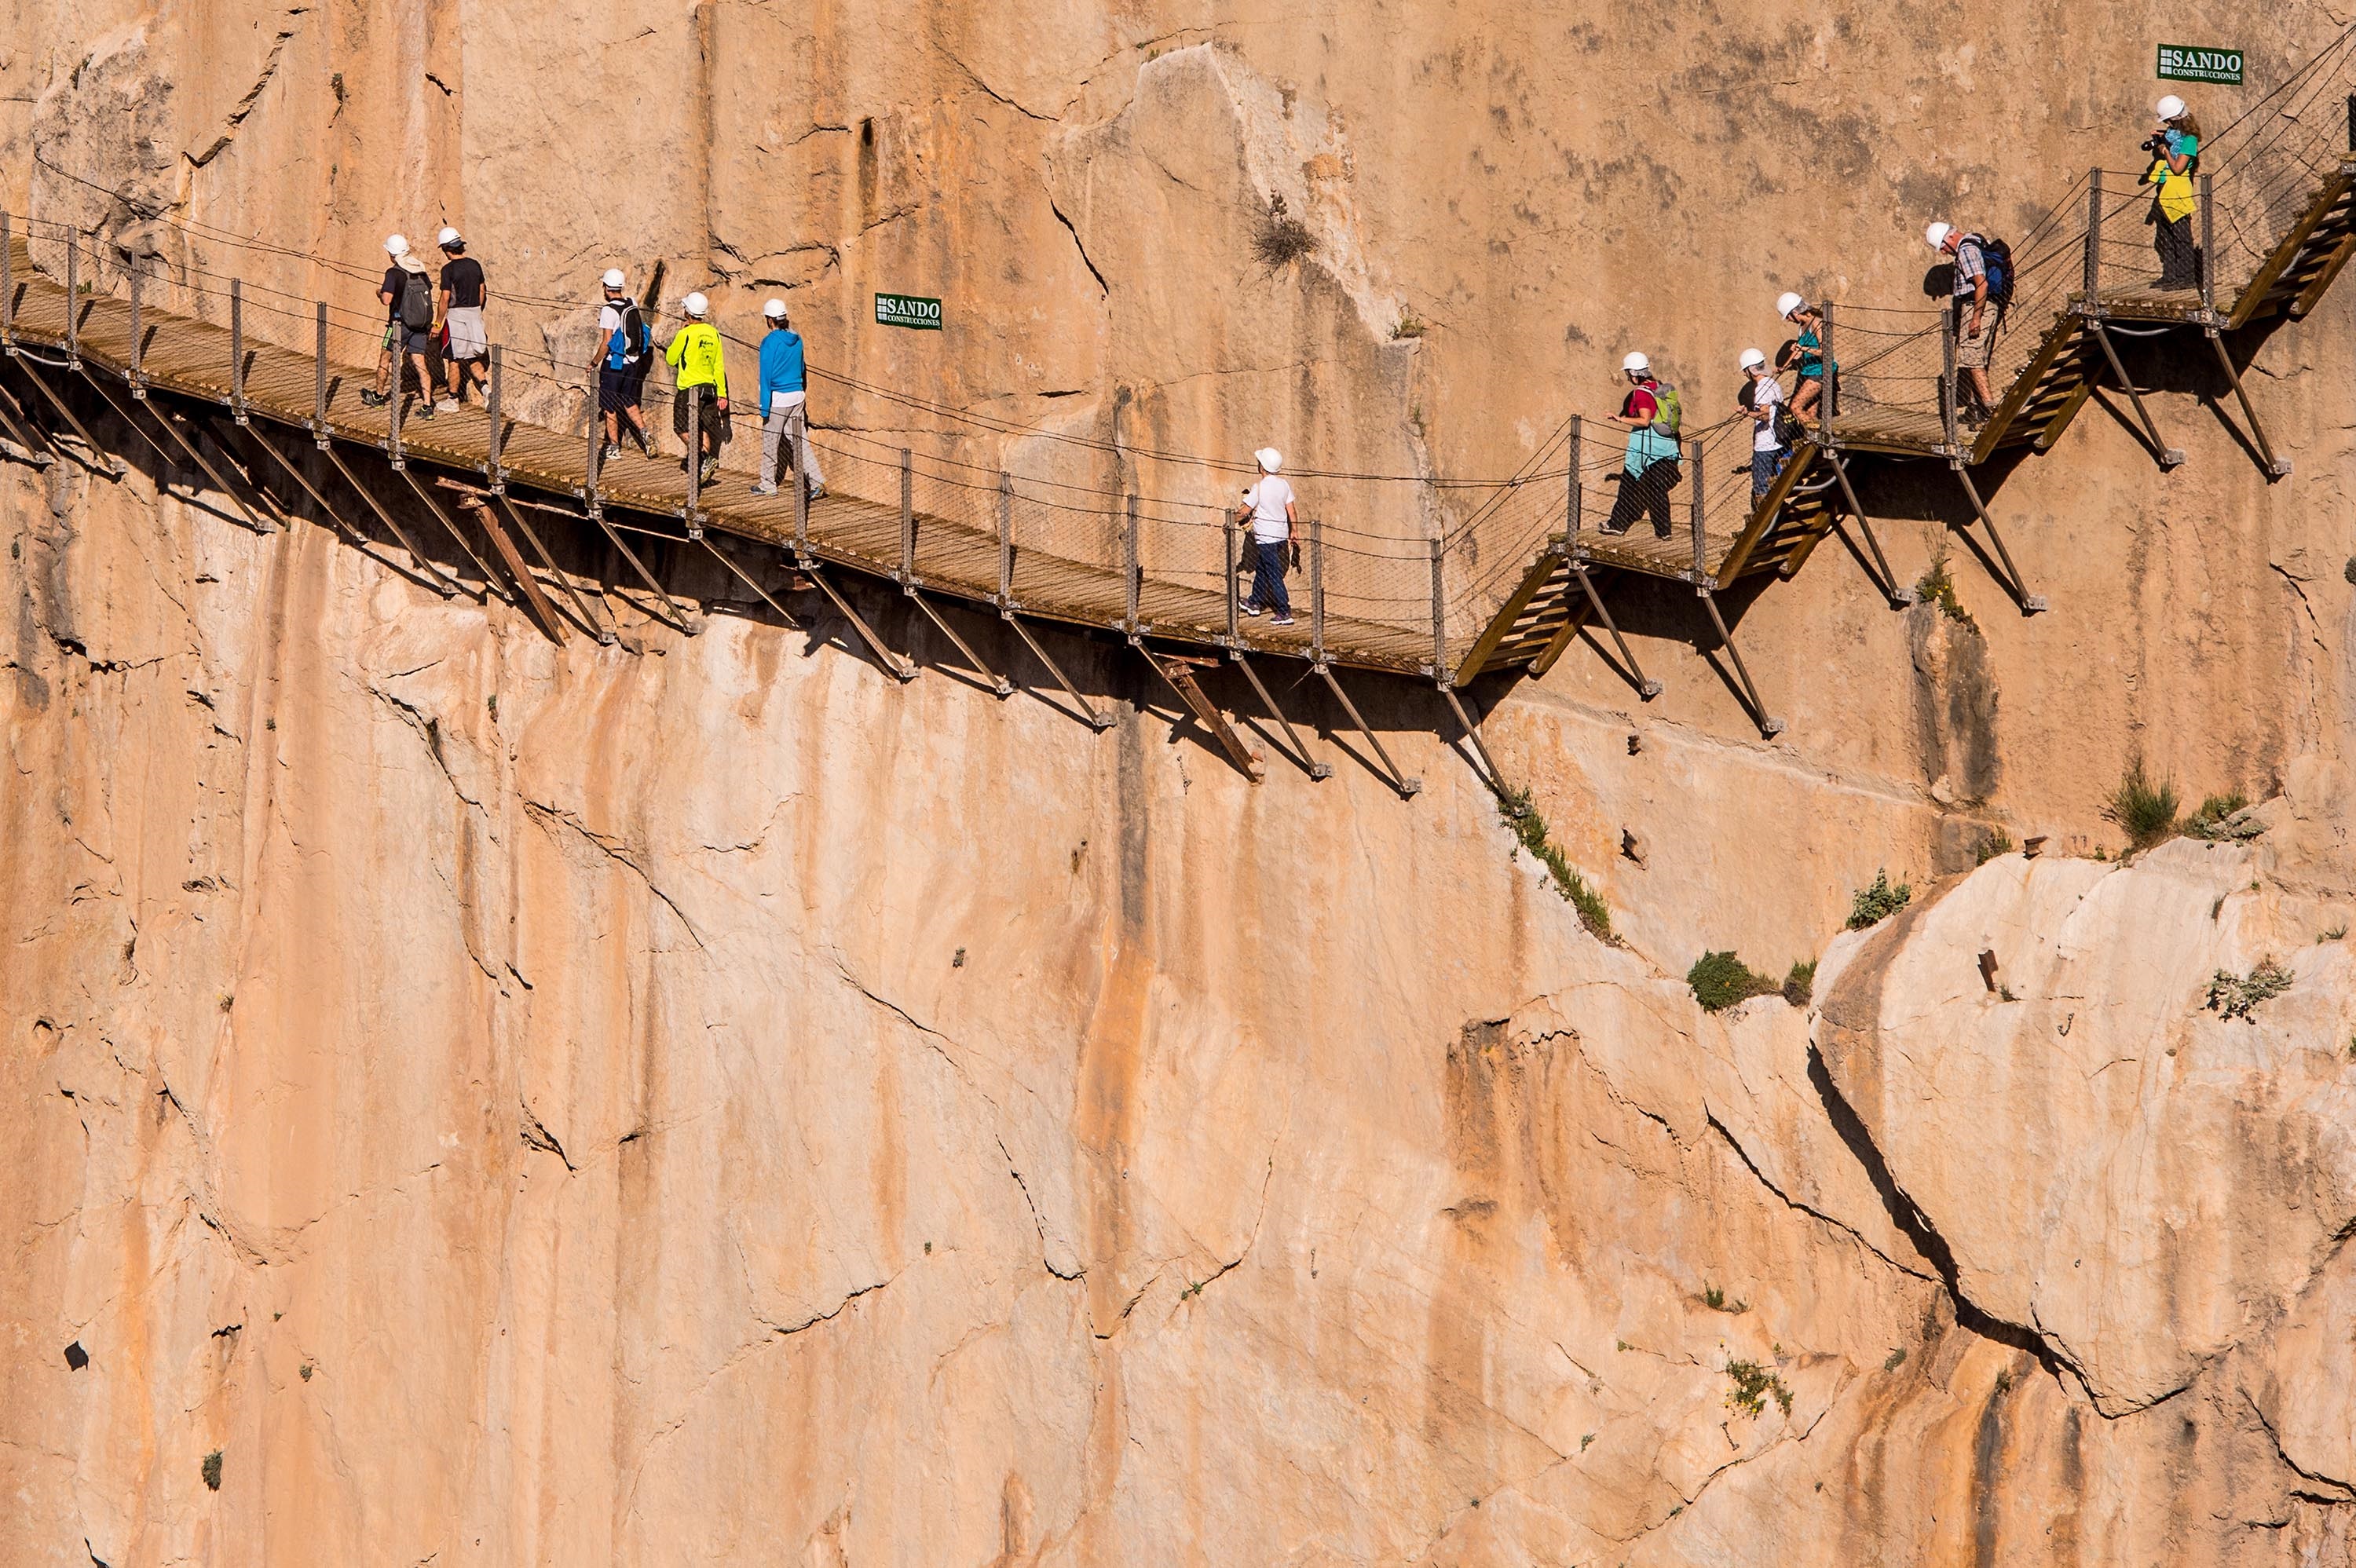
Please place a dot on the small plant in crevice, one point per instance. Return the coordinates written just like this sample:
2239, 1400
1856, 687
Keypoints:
2003, 1383
1283, 238
2220, 820
1584, 1439
1715, 1299
1530, 831
1997, 842
2143, 808
211, 1470
1800, 983
2238, 995
1753, 1386
1895, 1359
2335, 934
1409, 326
1936, 586
1877, 901
306, 1370
1721, 980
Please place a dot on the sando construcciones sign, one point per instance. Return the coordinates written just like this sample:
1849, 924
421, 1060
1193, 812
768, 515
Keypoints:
908, 310
2182, 62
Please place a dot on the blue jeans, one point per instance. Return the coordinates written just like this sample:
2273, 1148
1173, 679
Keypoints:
1765, 467
1267, 578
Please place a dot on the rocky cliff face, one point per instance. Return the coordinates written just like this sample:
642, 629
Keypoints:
697, 1100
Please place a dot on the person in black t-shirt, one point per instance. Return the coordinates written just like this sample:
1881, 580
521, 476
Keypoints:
467, 342
388, 357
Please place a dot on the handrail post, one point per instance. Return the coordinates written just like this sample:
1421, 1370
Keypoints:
1006, 540
801, 504
2206, 266
589, 461
73, 299
399, 330
907, 519
1947, 389
491, 468
1439, 620
1832, 365
694, 446
2351, 122
1317, 590
2093, 238
1129, 536
237, 350
1700, 556
1571, 530
7, 287
319, 368
138, 384
1229, 527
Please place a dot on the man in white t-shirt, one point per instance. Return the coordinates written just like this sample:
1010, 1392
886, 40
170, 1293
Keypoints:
1269, 507
1760, 398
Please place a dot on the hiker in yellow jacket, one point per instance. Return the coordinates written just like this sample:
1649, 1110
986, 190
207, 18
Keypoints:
695, 355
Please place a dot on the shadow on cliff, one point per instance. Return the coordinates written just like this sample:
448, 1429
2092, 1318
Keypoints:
645, 580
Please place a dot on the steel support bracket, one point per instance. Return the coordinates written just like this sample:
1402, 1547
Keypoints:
1406, 787
1769, 726
1316, 770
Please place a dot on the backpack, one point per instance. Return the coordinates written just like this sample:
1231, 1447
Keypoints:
1669, 412
1997, 256
635, 340
416, 302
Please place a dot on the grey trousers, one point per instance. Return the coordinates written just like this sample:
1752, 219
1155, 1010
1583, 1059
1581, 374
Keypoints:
788, 424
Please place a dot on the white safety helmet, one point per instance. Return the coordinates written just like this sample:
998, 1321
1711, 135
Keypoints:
1787, 302
447, 237
2170, 108
1635, 362
774, 310
696, 305
1269, 459
396, 244
613, 278
1936, 235
1751, 360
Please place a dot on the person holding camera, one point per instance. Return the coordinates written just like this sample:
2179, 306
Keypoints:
2175, 152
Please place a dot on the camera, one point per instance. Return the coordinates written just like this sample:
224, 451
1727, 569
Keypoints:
2155, 144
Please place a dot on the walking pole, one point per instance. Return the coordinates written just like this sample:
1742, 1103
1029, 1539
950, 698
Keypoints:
237, 350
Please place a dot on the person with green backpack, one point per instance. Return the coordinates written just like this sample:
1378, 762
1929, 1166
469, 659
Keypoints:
1654, 416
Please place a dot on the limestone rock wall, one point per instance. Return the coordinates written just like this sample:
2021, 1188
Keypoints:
698, 1100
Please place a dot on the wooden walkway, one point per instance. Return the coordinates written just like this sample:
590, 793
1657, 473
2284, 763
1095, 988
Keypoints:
282, 387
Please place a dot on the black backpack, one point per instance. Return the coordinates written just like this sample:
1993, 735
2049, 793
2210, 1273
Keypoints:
416, 302
635, 340
2000, 269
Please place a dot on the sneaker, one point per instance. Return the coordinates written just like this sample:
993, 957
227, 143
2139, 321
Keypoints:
817, 492
446, 405
1252, 610
607, 452
424, 412
371, 399
709, 472
765, 489
1281, 621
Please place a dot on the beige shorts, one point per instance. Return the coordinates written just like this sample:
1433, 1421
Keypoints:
1974, 350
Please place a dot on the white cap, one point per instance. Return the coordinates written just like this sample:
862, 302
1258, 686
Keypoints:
1635, 362
1787, 302
447, 237
1270, 459
395, 244
696, 304
774, 310
612, 278
1936, 235
2170, 108
1751, 360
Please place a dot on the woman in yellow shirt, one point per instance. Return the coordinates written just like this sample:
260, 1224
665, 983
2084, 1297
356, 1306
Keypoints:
2175, 150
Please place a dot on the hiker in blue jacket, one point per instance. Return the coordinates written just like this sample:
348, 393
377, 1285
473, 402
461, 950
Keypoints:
783, 404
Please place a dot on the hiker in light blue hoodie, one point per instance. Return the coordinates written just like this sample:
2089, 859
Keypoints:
783, 405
